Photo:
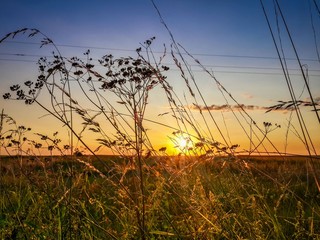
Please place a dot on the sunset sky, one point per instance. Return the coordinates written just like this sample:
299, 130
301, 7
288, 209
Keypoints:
230, 38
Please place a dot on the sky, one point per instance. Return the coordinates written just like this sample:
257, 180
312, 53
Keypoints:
230, 38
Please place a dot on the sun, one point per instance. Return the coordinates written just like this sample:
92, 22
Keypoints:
182, 142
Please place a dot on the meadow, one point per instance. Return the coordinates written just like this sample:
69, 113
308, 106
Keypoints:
53, 188
61, 198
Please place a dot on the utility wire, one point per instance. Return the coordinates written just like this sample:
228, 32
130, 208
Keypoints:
160, 52
200, 70
168, 64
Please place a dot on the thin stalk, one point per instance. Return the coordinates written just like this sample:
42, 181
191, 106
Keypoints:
138, 139
297, 110
298, 59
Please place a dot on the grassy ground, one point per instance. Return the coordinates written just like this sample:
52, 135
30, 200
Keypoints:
59, 198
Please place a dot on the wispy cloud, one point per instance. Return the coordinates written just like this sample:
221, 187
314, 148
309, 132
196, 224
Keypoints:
279, 106
226, 107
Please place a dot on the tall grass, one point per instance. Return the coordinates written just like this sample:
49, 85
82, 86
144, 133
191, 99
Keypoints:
207, 191
204, 201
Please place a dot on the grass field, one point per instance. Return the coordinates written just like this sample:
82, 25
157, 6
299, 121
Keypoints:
186, 198
206, 191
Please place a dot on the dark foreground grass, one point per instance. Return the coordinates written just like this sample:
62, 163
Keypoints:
59, 198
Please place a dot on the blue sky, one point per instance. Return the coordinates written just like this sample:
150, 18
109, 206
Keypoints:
221, 34
233, 27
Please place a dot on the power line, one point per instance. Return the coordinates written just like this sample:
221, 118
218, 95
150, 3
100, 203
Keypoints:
209, 66
176, 69
168, 64
194, 54
17, 60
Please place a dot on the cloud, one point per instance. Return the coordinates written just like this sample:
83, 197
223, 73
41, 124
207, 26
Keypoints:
280, 106
226, 107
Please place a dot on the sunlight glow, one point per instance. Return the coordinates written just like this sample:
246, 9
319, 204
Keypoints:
183, 143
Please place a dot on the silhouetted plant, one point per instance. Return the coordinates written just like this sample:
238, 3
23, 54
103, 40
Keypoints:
197, 194
290, 105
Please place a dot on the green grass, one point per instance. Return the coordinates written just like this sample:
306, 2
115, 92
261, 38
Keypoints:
146, 194
63, 199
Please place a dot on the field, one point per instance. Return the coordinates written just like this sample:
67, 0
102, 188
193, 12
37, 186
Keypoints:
185, 198
157, 146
